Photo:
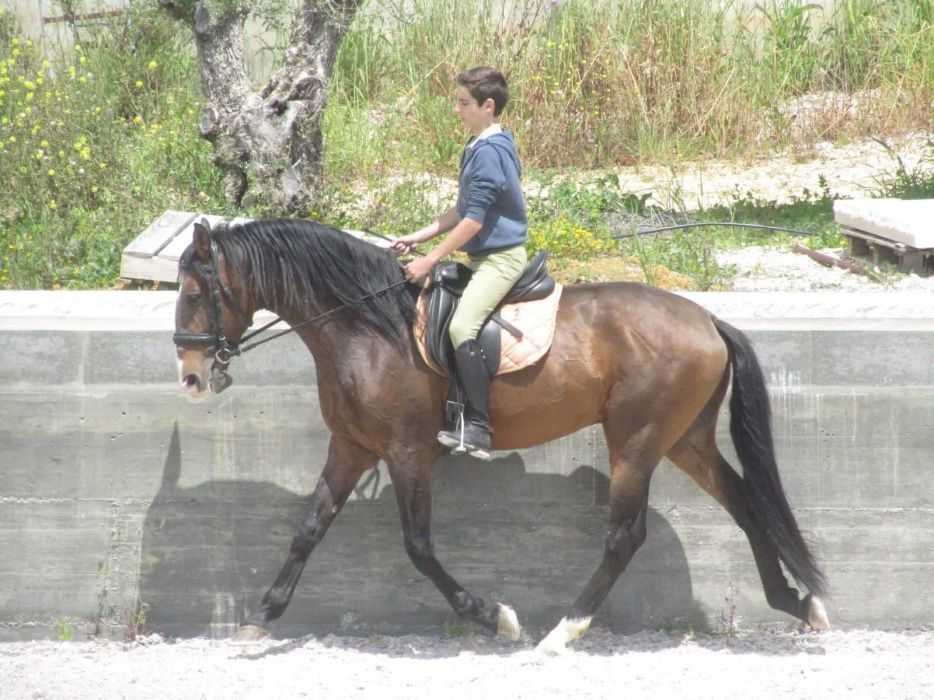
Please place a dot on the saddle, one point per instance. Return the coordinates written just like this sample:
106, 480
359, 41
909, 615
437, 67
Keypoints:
448, 281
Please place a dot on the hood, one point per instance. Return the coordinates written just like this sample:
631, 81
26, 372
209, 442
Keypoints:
505, 146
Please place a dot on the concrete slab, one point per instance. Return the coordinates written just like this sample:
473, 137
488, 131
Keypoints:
905, 221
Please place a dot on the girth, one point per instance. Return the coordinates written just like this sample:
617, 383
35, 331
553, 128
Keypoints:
448, 281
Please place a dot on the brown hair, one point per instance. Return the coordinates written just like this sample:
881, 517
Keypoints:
485, 83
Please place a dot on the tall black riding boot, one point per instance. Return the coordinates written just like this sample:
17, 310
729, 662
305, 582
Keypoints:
472, 435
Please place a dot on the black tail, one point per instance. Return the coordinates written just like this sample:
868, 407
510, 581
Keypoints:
751, 428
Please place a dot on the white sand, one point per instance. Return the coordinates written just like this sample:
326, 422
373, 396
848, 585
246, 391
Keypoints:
854, 664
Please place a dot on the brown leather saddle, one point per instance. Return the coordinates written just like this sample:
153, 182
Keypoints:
448, 281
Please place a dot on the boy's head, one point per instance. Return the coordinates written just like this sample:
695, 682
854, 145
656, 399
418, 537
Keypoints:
486, 84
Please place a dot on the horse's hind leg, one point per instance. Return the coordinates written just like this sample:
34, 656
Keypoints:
345, 464
413, 493
632, 460
697, 454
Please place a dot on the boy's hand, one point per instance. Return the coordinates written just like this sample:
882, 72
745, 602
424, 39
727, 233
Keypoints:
418, 268
405, 244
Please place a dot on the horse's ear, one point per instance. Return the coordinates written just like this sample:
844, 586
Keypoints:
202, 240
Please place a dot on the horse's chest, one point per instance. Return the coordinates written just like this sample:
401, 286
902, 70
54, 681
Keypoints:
352, 394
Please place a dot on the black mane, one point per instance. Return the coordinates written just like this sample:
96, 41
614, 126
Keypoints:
287, 260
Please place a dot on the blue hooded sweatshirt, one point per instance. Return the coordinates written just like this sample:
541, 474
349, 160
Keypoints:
490, 193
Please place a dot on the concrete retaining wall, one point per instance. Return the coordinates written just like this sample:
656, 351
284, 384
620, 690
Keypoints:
115, 490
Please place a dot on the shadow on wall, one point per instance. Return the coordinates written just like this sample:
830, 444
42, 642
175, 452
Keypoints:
209, 552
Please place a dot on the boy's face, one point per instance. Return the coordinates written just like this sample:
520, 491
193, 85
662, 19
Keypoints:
475, 116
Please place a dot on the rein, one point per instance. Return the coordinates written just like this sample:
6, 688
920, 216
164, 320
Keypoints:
225, 349
237, 350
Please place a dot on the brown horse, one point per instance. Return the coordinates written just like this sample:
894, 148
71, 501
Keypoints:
651, 367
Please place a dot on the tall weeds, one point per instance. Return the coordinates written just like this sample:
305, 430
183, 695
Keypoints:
595, 83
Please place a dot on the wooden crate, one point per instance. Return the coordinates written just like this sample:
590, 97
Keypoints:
889, 230
153, 255
863, 244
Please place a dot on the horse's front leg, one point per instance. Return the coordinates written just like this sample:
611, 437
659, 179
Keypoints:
346, 463
412, 483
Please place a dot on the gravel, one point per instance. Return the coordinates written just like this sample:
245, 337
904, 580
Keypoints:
762, 269
772, 664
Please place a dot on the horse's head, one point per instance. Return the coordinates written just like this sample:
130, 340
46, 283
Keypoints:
211, 314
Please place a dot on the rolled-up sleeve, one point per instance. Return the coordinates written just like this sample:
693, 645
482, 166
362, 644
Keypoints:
487, 180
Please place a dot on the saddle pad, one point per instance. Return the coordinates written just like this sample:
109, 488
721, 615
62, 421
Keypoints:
536, 320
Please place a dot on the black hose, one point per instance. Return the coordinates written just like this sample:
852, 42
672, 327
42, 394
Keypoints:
696, 224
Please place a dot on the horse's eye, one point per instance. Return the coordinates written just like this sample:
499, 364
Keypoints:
194, 298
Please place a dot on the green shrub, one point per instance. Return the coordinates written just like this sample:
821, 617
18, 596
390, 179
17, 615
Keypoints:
101, 138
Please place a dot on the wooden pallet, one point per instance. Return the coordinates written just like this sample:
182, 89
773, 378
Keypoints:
153, 255
906, 259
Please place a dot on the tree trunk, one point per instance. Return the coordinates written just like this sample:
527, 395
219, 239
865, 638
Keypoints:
268, 142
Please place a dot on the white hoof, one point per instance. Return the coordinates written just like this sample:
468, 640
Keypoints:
508, 623
556, 642
817, 615
251, 633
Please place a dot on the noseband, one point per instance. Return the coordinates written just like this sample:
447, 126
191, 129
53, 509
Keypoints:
224, 350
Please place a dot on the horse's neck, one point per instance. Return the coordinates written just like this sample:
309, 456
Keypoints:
328, 337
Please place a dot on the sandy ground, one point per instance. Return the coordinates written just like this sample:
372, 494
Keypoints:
761, 269
855, 170
849, 171
853, 664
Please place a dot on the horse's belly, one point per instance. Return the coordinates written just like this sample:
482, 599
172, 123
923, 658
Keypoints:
522, 420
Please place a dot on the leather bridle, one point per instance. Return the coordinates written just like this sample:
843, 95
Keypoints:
224, 349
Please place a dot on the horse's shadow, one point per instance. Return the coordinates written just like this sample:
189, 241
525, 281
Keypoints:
210, 551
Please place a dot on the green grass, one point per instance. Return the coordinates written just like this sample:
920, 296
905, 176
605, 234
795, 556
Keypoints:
98, 139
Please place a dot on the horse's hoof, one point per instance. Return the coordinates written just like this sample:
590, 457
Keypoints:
556, 642
507, 624
251, 633
817, 614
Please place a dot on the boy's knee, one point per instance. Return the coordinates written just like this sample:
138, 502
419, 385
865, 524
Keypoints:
460, 332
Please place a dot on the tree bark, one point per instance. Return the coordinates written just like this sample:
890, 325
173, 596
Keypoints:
268, 141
